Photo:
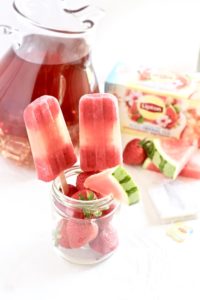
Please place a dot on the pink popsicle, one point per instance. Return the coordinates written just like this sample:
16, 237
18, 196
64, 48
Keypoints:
49, 138
100, 137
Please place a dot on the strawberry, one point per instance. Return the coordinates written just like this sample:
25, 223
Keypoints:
106, 216
61, 234
106, 241
73, 212
81, 179
84, 194
134, 154
72, 189
81, 233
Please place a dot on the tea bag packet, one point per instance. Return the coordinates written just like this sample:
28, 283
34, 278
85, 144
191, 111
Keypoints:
179, 231
176, 200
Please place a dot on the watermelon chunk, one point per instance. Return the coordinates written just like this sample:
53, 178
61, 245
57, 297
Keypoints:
169, 155
191, 169
116, 181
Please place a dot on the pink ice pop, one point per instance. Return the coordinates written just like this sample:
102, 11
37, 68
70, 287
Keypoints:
100, 138
49, 138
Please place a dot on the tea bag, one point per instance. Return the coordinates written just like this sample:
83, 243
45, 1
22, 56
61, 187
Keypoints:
176, 200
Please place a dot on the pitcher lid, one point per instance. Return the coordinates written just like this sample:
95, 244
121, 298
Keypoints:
57, 15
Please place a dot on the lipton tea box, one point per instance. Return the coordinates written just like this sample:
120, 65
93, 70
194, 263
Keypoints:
154, 102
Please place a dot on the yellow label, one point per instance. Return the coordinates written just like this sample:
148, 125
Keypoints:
151, 107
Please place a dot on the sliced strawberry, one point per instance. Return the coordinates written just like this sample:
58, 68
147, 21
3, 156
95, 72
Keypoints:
134, 154
81, 179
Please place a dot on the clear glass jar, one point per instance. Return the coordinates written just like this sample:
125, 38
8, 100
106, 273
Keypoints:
84, 231
48, 52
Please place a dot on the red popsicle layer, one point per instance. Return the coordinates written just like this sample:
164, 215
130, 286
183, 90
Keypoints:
100, 138
49, 138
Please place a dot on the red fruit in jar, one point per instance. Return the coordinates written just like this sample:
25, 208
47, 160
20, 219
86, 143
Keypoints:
133, 153
72, 189
106, 241
84, 194
61, 234
106, 216
111, 207
81, 179
81, 232
73, 212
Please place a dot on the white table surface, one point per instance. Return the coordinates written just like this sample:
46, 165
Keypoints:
148, 263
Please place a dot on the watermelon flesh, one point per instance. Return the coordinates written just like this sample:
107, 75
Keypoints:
191, 169
115, 181
169, 155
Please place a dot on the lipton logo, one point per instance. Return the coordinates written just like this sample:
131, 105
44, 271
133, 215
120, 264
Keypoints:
151, 107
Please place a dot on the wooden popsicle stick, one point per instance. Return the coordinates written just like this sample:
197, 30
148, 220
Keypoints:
64, 185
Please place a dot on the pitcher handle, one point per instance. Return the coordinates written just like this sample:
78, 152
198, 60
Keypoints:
7, 29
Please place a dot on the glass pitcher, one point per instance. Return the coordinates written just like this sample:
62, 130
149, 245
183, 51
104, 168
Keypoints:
50, 53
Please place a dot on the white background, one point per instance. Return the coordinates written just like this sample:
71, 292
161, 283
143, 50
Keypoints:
152, 32
148, 265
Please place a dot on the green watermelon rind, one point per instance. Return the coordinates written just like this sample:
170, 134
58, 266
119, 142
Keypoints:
129, 187
168, 166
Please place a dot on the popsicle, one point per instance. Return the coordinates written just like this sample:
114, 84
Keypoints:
49, 138
99, 127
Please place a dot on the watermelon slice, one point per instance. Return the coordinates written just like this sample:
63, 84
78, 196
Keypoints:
191, 169
116, 181
149, 165
169, 155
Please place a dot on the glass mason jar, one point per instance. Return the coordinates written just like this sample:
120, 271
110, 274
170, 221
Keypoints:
84, 231
48, 53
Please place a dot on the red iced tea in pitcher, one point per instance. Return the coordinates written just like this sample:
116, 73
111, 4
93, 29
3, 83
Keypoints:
42, 65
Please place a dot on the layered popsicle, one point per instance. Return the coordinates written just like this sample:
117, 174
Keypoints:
100, 137
49, 138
